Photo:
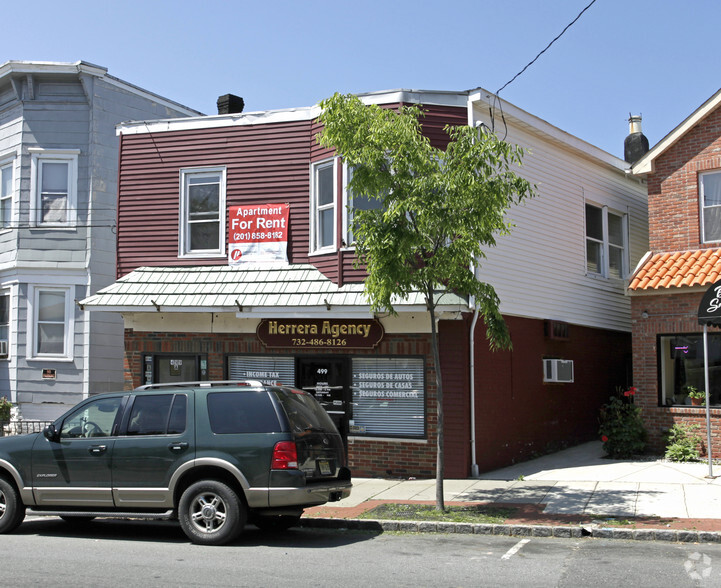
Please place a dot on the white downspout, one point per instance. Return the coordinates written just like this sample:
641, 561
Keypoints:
474, 463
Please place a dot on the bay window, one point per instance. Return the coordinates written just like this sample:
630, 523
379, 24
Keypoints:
52, 323
6, 194
54, 186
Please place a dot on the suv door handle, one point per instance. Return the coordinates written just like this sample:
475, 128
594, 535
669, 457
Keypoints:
178, 446
97, 449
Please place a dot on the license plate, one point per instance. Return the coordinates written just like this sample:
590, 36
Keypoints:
324, 467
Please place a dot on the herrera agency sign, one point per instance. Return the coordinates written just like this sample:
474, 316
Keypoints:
328, 333
258, 233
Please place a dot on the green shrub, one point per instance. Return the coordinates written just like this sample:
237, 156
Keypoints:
682, 443
5, 406
622, 430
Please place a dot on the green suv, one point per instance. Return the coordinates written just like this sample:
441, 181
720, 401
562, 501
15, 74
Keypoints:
213, 454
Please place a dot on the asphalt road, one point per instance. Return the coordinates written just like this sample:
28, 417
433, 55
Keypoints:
129, 554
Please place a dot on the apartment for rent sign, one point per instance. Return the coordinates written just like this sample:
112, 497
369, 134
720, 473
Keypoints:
258, 233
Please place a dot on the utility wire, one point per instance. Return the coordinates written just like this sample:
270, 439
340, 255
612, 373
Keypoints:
568, 26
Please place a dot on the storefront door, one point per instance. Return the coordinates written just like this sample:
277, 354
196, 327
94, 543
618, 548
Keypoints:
328, 379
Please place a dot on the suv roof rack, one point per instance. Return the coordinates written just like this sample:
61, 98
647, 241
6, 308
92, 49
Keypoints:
203, 384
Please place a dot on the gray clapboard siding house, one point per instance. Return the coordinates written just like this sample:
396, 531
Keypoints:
58, 196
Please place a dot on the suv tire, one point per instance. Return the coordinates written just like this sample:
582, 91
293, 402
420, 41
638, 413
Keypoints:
210, 513
12, 510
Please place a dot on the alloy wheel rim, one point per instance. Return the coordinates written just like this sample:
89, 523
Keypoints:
208, 513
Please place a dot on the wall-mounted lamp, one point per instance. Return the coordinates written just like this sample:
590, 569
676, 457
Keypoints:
644, 314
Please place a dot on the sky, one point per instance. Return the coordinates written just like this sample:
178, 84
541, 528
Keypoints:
656, 58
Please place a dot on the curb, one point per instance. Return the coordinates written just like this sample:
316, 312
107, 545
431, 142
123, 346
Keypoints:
566, 532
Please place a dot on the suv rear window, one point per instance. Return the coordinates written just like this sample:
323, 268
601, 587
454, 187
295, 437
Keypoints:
242, 412
303, 411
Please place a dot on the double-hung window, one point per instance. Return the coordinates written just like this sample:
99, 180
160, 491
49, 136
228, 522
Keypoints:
202, 212
6, 194
323, 211
710, 189
54, 186
355, 202
52, 322
606, 242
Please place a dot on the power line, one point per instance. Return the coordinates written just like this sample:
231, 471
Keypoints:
568, 26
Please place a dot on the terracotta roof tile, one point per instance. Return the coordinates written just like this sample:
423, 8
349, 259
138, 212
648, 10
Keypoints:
699, 267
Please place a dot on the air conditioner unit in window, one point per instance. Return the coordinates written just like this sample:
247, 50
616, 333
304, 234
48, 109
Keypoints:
3, 348
558, 370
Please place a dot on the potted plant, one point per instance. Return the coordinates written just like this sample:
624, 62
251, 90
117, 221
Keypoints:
697, 396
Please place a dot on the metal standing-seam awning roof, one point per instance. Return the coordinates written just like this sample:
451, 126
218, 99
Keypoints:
255, 290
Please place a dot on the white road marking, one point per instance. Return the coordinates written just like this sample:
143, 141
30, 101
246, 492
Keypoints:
515, 549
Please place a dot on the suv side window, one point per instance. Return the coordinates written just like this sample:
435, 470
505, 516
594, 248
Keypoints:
242, 412
94, 419
158, 414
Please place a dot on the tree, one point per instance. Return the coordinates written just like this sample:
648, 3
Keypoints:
439, 211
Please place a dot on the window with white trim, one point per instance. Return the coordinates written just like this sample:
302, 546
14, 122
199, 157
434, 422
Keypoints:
54, 186
4, 323
322, 204
202, 212
52, 322
710, 197
606, 242
6, 194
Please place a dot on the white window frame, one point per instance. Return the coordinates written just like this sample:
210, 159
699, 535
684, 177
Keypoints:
604, 262
8, 200
68, 323
348, 209
184, 228
316, 209
703, 207
39, 157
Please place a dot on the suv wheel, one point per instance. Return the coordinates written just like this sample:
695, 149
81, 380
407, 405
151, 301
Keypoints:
12, 510
211, 513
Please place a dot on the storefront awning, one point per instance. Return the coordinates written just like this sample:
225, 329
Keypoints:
255, 290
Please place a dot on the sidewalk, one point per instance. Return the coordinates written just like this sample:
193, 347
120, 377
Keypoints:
576, 487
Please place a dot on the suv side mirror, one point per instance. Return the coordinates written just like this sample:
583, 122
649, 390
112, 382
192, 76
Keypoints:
51, 433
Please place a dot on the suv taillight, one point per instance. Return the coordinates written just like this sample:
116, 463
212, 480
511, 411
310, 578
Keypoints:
285, 456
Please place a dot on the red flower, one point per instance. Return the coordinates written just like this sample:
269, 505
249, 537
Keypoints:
604, 438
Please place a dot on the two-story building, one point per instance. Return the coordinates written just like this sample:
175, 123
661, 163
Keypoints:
683, 172
235, 260
58, 194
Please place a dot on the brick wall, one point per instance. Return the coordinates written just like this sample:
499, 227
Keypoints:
667, 314
673, 199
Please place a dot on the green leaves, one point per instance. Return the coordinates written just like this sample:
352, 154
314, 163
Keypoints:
441, 209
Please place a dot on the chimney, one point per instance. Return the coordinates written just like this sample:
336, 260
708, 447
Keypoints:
635, 146
230, 104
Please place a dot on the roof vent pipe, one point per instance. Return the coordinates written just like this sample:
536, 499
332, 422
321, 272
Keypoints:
230, 104
635, 146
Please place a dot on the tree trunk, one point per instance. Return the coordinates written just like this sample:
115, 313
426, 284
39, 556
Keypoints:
440, 504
